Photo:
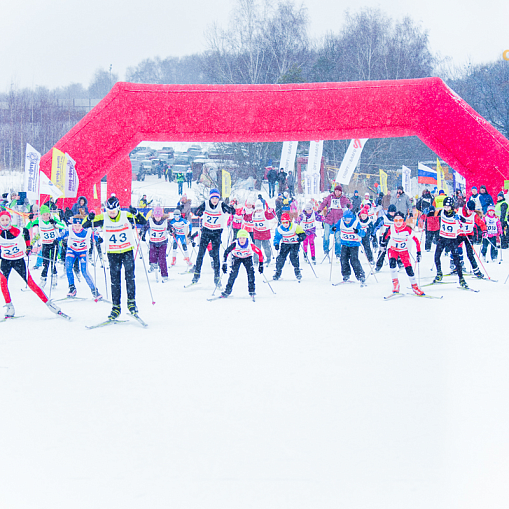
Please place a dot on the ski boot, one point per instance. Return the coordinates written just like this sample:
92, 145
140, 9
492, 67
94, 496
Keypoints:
217, 281
362, 281
42, 283
72, 291
395, 286
53, 307
131, 306
164, 279
225, 294
417, 290
276, 276
173, 261
54, 280
36, 267
189, 263
196, 277
115, 313
478, 273
346, 279
313, 259
438, 277
305, 256
298, 274
9, 311
152, 267
96, 294
463, 283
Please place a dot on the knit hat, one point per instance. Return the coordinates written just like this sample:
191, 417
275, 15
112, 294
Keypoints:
5, 195
242, 234
441, 191
471, 205
491, 207
77, 220
44, 209
338, 188
473, 187
285, 217
4, 213
501, 194
176, 212
364, 210
366, 194
214, 193
112, 203
309, 206
348, 214
158, 211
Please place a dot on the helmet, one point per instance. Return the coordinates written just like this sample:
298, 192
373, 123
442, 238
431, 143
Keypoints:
448, 201
242, 234
112, 203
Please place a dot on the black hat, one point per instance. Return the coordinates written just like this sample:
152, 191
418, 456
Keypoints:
400, 214
112, 203
471, 205
392, 208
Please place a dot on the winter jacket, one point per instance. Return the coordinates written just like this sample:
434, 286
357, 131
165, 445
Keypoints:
402, 203
486, 200
272, 175
77, 208
386, 201
424, 202
334, 215
356, 203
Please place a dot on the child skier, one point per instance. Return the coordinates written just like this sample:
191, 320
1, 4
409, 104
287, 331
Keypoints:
181, 228
492, 235
290, 235
78, 244
400, 235
261, 229
307, 221
157, 228
350, 236
384, 222
247, 218
212, 211
241, 251
365, 222
120, 242
48, 230
13, 245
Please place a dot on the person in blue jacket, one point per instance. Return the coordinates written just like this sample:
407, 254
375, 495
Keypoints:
485, 199
350, 233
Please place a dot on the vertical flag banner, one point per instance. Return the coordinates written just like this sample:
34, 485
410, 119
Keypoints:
441, 184
350, 161
95, 191
407, 184
383, 181
288, 154
31, 185
47, 187
58, 167
426, 175
458, 181
227, 183
312, 175
71, 178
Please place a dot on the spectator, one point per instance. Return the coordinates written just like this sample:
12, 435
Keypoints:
475, 197
51, 204
386, 201
282, 180
356, 202
424, 202
184, 205
272, 178
402, 202
501, 212
80, 208
485, 199
189, 177
459, 200
5, 200
438, 202
260, 197
279, 207
290, 182
144, 203
179, 177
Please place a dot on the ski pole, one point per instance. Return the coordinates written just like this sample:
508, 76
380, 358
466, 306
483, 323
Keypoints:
144, 266
371, 271
311, 265
267, 281
478, 258
52, 266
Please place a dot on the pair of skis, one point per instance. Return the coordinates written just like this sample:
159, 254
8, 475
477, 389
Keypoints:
363, 283
225, 297
111, 322
425, 296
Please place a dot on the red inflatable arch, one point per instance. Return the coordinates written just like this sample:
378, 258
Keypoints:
427, 108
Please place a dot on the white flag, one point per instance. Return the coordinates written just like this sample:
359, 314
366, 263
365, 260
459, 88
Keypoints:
312, 174
288, 155
407, 184
350, 161
71, 178
47, 187
32, 160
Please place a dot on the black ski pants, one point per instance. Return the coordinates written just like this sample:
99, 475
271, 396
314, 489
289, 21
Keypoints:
213, 236
248, 264
366, 244
49, 252
467, 242
284, 251
350, 255
430, 238
452, 246
116, 261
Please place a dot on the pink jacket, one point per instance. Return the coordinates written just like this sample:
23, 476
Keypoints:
334, 214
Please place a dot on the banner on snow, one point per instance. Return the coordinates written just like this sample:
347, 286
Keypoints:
47, 187
58, 168
288, 155
312, 174
31, 185
71, 178
350, 161
227, 183
405, 177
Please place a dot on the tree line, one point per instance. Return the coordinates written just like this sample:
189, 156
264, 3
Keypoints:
269, 43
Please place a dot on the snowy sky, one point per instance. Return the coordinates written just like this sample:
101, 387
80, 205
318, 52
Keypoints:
58, 42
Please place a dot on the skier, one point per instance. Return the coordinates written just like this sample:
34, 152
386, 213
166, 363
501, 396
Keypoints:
77, 248
261, 229
14, 243
236, 219
350, 233
448, 239
48, 230
492, 236
247, 217
400, 235
157, 228
290, 235
119, 241
365, 222
468, 219
212, 212
181, 228
241, 251
307, 221
384, 222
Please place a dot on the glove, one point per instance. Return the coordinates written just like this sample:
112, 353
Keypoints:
52, 221
30, 216
276, 247
100, 240
193, 243
418, 256
225, 268
143, 235
356, 230
485, 235
260, 268
91, 216
333, 228
132, 210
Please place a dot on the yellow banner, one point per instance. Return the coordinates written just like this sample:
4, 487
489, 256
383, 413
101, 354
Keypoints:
58, 166
227, 184
95, 191
383, 181
441, 184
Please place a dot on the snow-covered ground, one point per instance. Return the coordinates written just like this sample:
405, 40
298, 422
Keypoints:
317, 396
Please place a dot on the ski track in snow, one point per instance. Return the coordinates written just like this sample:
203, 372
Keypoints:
318, 396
